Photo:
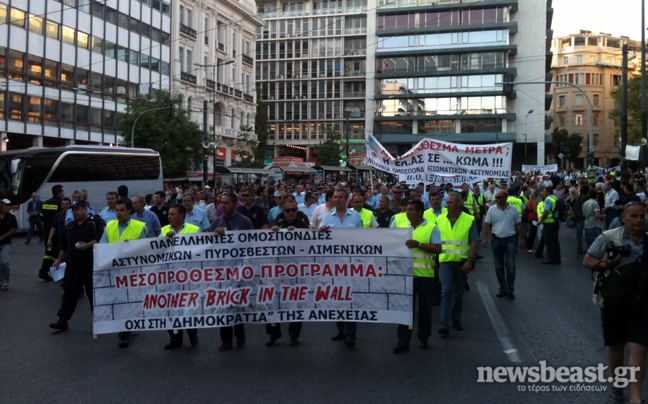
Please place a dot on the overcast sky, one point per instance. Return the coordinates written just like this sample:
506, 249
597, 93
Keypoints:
618, 17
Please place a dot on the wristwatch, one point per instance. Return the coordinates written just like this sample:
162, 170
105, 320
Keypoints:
420, 245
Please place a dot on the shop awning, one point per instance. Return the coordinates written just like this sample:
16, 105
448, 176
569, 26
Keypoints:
241, 170
290, 166
361, 167
331, 168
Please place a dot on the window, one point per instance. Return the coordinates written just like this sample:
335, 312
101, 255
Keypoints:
16, 65
36, 24
35, 69
566, 60
68, 34
66, 112
596, 100
34, 109
596, 119
3, 13
51, 73
50, 110
82, 40
579, 59
17, 18
67, 76
97, 45
578, 120
52, 30
561, 100
82, 114
15, 108
578, 100
561, 120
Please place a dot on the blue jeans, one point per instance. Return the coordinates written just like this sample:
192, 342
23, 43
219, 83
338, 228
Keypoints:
5, 255
580, 225
591, 235
504, 251
453, 280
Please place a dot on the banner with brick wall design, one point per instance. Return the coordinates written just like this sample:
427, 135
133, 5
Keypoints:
255, 276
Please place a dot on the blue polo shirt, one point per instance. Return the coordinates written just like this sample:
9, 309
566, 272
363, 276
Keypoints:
197, 217
107, 215
151, 221
351, 219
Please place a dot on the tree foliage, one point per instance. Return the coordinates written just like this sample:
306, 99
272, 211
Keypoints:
168, 131
329, 152
563, 142
252, 151
245, 148
634, 110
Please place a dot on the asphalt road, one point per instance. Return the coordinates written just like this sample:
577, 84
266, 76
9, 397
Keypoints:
552, 319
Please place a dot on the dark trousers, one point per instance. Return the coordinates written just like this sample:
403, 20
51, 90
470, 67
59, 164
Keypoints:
176, 339
550, 235
35, 221
531, 236
610, 215
504, 252
294, 330
346, 328
227, 333
423, 288
73, 282
50, 256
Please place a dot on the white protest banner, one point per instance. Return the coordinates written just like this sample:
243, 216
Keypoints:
632, 152
254, 276
528, 168
428, 179
444, 159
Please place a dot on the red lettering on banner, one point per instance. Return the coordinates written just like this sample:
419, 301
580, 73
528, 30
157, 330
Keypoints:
223, 298
371, 271
121, 281
484, 150
339, 293
265, 294
294, 293
171, 300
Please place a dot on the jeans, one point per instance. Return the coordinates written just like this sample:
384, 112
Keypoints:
504, 251
580, 224
453, 280
550, 235
591, 235
5, 256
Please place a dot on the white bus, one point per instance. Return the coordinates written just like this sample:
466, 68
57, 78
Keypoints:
97, 169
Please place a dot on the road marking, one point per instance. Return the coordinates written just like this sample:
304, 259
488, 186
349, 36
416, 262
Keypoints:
498, 323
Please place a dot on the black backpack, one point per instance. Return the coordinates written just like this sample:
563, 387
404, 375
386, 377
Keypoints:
561, 212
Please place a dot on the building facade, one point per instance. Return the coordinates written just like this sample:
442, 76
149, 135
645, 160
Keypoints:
406, 70
214, 68
68, 68
312, 70
592, 62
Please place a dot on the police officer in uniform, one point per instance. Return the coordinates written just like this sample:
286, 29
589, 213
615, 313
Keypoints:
50, 208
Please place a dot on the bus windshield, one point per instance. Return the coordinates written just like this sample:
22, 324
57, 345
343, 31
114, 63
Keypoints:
10, 178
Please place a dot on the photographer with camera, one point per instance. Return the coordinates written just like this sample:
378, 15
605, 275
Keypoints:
620, 260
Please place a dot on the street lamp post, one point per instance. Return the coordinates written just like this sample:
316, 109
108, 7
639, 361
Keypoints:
205, 120
591, 132
526, 130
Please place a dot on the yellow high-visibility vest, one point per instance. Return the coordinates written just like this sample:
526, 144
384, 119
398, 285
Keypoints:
366, 214
188, 228
455, 241
424, 262
132, 231
431, 217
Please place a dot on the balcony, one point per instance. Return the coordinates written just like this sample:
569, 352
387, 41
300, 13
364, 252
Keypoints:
238, 93
354, 94
188, 77
248, 98
355, 52
225, 89
211, 84
247, 59
190, 32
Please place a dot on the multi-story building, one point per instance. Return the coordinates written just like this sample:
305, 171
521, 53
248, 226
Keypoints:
312, 69
438, 69
419, 68
592, 62
68, 68
213, 67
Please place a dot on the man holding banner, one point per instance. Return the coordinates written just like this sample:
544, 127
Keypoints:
177, 225
340, 218
426, 242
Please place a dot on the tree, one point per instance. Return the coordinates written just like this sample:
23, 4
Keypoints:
168, 131
563, 142
252, 151
634, 110
329, 151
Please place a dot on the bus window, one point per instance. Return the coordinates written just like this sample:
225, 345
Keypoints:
113, 167
5, 177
